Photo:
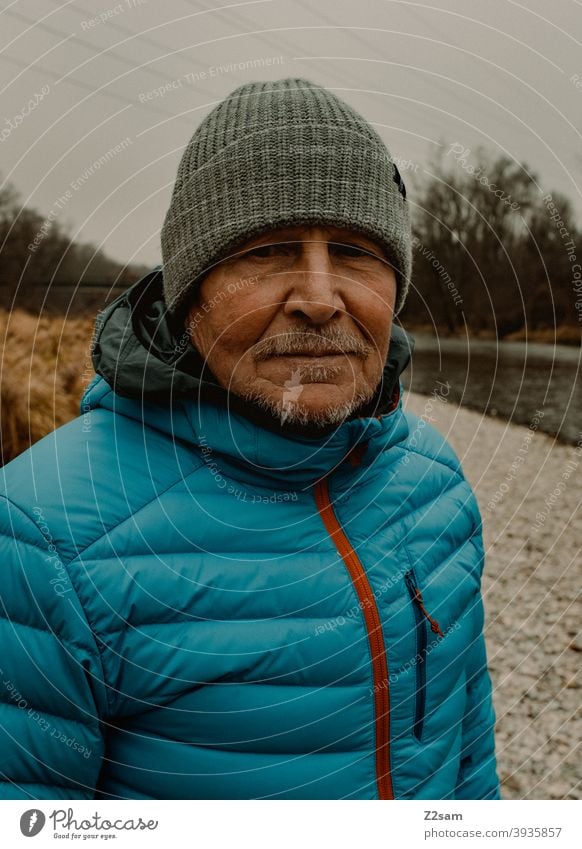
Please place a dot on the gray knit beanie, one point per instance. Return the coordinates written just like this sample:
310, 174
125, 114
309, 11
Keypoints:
275, 154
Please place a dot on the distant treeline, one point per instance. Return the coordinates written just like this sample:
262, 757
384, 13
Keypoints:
493, 252
43, 269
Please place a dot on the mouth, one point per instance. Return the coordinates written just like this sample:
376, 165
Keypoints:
321, 355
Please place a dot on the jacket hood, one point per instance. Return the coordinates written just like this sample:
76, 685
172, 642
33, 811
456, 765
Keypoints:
142, 353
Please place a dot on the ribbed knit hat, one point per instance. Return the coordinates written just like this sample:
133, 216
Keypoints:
274, 154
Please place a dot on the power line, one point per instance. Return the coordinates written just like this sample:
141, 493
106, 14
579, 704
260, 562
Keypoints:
82, 41
144, 38
78, 83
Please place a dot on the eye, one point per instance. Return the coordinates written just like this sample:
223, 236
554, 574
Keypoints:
353, 251
268, 251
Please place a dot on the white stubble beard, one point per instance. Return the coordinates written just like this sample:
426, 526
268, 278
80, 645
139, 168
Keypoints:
298, 414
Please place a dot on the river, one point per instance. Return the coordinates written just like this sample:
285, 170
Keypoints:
512, 380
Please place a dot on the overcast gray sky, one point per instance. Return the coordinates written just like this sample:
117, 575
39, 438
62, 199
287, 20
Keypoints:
78, 81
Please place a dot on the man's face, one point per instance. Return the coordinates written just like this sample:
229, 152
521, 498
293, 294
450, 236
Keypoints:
298, 322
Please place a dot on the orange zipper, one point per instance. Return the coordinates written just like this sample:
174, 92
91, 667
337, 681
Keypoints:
375, 638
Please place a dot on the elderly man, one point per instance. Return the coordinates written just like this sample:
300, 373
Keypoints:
244, 572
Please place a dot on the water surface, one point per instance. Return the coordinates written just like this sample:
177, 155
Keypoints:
513, 380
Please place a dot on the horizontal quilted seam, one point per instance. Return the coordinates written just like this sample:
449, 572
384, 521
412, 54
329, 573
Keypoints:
24, 542
146, 707
392, 522
63, 641
436, 572
434, 575
32, 523
433, 578
229, 621
317, 688
62, 719
18, 624
227, 750
456, 470
39, 628
290, 756
362, 476
241, 557
249, 685
127, 518
139, 732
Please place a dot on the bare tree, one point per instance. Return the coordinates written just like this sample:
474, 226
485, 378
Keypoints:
487, 250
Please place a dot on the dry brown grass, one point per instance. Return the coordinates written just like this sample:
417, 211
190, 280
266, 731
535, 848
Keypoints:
45, 364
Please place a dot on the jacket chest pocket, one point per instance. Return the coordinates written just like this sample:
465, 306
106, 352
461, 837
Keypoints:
423, 624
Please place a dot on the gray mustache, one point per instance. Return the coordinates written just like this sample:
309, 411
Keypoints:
310, 342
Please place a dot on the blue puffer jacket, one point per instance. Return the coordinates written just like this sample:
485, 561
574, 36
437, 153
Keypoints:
195, 605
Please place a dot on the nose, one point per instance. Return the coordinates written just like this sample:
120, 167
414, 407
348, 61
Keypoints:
314, 287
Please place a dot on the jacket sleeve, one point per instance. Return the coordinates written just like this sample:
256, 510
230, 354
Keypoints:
52, 693
477, 777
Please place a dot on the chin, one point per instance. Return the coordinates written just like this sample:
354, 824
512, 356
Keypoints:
315, 409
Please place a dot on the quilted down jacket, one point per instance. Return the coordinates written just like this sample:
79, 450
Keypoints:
196, 604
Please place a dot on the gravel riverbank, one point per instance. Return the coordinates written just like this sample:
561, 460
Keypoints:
529, 489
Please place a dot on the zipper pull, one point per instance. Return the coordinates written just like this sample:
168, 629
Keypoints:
434, 625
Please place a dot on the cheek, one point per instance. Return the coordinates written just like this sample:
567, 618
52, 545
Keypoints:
372, 310
239, 321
